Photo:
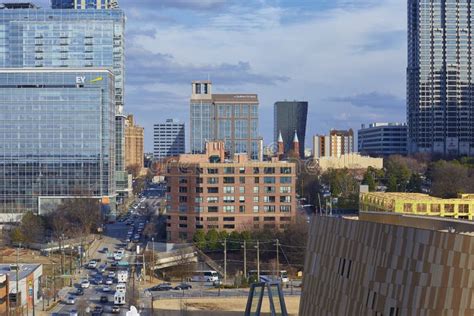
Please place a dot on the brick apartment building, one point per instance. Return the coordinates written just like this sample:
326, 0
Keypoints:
206, 192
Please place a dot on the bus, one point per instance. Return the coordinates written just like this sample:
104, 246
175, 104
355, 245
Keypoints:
269, 276
119, 298
122, 276
205, 276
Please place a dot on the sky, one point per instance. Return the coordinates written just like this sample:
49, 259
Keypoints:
347, 58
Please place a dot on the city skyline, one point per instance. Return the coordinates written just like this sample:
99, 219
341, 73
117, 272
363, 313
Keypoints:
347, 82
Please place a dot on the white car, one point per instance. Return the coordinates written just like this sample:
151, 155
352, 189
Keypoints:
106, 289
111, 274
85, 284
70, 300
109, 281
92, 264
73, 312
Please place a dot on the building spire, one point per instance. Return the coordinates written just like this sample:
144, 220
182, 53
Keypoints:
295, 139
280, 138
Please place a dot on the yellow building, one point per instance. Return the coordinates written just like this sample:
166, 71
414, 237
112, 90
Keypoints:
461, 207
134, 143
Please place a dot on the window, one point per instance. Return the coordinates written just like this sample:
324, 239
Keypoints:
242, 180
464, 208
199, 226
212, 180
255, 209
198, 199
285, 170
435, 208
256, 180
183, 208
229, 226
183, 180
212, 226
242, 199
229, 199
183, 218
242, 170
212, 170
285, 219
228, 209
241, 190
198, 209
255, 190
269, 208
256, 218
199, 180
269, 180
408, 207
212, 199
199, 190
269, 189
269, 219
183, 190
213, 219
268, 199
285, 180
255, 199
213, 190
256, 170
242, 208
344, 268
229, 180
213, 209
285, 199
285, 190
183, 235
285, 208
269, 170
449, 208
421, 207
183, 199
229, 170
229, 219
228, 190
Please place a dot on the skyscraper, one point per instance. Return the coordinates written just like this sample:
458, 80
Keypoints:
232, 118
84, 4
58, 138
382, 139
336, 144
168, 139
440, 99
34, 37
134, 143
288, 117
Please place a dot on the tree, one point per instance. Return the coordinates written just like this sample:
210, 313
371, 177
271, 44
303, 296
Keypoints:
32, 228
16, 236
199, 239
134, 170
369, 179
212, 238
150, 230
415, 183
450, 178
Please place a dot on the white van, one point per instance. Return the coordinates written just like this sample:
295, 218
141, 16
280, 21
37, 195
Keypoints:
119, 298
205, 276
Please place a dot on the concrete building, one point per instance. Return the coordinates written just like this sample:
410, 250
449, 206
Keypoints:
418, 204
388, 264
59, 134
134, 143
336, 144
288, 117
84, 4
29, 285
206, 191
168, 139
440, 103
349, 161
383, 139
232, 118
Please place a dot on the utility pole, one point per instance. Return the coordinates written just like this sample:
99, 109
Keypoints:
225, 260
278, 257
17, 278
153, 258
258, 261
245, 258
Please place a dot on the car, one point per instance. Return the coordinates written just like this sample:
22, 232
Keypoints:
127, 239
104, 299
85, 284
79, 292
71, 300
73, 312
183, 286
111, 274
99, 280
115, 309
102, 268
105, 250
92, 264
161, 287
98, 310
109, 281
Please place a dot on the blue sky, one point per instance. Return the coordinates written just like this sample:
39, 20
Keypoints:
346, 57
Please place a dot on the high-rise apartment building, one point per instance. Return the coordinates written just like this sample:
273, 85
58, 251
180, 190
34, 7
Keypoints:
168, 139
232, 118
290, 117
336, 144
58, 138
84, 4
440, 101
383, 139
35, 37
208, 191
134, 143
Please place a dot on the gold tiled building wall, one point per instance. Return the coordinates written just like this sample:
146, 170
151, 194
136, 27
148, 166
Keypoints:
356, 267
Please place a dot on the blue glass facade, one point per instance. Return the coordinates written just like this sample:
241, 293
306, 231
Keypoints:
83, 4
57, 137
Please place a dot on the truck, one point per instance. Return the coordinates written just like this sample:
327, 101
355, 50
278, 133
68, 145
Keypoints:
122, 276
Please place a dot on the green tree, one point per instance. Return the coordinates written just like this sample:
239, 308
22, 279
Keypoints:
450, 178
32, 228
392, 183
199, 239
16, 236
235, 239
212, 238
369, 179
415, 183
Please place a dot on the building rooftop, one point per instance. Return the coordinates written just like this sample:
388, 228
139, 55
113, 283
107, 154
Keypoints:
237, 98
416, 196
17, 5
378, 124
25, 270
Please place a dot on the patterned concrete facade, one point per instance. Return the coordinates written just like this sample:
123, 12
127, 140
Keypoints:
356, 267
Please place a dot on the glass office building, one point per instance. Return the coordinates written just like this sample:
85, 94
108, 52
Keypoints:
440, 98
288, 117
39, 38
232, 118
84, 4
57, 137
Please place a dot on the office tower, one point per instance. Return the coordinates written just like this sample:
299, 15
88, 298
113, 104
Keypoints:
383, 139
134, 143
440, 103
34, 37
84, 4
232, 118
336, 144
168, 139
58, 138
288, 117
208, 191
